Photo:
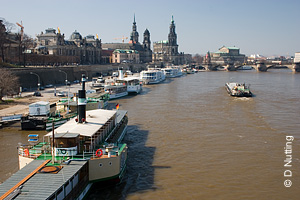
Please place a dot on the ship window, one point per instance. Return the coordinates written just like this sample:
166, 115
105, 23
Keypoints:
100, 165
110, 163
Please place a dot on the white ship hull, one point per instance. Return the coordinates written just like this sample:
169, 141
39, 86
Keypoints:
118, 95
134, 89
152, 76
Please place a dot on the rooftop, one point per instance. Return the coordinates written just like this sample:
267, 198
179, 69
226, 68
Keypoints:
162, 42
40, 185
233, 48
95, 120
125, 51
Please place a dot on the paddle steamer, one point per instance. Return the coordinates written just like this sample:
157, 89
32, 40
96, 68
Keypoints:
83, 151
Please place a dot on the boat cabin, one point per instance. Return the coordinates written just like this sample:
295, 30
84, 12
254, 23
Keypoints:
73, 137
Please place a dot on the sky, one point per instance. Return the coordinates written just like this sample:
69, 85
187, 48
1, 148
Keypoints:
265, 27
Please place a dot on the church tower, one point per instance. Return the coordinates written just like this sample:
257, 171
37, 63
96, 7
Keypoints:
172, 43
134, 37
172, 37
147, 42
147, 52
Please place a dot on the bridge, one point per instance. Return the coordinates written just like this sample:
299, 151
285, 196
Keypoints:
259, 66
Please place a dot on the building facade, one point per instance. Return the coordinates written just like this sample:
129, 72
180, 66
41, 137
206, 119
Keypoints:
166, 51
144, 49
297, 57
77, 49
228, 55
125, 56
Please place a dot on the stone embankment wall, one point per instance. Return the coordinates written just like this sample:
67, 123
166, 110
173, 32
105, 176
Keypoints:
52, 75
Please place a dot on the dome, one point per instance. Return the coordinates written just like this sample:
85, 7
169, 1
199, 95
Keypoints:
75, 36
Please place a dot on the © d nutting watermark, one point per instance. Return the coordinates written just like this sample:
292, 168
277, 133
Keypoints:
288, 161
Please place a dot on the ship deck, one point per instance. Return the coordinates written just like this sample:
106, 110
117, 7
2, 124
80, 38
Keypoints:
39, 185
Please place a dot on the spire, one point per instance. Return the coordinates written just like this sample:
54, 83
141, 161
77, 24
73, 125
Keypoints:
172, 37
134, 37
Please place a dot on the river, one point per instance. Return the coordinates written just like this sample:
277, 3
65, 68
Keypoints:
188, 139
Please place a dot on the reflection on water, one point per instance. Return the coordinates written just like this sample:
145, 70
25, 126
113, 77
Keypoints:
9, 139
188, 139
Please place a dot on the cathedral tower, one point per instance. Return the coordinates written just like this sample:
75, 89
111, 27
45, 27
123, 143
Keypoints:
147, 42
172, 42
172, 37
134, 37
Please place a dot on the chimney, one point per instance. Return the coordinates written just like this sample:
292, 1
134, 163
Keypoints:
82, 102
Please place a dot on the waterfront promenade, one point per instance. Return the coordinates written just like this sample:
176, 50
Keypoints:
20, 104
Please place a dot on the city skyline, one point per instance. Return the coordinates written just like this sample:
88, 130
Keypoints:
256, 27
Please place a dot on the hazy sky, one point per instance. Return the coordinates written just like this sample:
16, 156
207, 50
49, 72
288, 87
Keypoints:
267, 27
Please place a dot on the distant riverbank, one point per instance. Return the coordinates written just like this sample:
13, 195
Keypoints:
58, 75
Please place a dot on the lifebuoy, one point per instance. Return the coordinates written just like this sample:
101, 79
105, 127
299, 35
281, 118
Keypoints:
26, 152
63, 151
99, 152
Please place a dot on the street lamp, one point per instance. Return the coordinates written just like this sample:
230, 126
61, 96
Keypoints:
67, 88
38, 79
66, 77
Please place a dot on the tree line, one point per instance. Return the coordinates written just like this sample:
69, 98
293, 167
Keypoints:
9, 83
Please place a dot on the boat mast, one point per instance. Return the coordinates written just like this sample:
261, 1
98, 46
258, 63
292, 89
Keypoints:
53, 151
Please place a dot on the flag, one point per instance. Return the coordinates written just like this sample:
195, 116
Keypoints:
117, 106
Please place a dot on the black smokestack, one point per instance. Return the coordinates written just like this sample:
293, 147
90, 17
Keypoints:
82, 102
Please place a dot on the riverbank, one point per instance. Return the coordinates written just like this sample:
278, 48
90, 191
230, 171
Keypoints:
19, 105
58, 75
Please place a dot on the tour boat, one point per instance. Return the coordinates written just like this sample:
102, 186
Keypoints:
116, 90
98, 82
71, 158
37, 117
58, 121
238, 89
132, 82
190, 71
152, 76
172, 72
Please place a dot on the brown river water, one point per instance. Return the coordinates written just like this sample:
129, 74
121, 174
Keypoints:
188, 139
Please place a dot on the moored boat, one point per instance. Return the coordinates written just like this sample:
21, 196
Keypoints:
238, 89
98, 82
172, 72
72, 157
132, 83
37, 117
116, 90
190, 71
58, 121
152, 76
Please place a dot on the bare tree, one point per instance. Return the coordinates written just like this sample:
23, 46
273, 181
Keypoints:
2, 38
9, 83
5, 28
9, 26
25, 44
197, 58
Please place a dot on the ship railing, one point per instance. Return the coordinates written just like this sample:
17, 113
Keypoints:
33, 151
111, 133
25, 152
107, 149
116, 129
88, 154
